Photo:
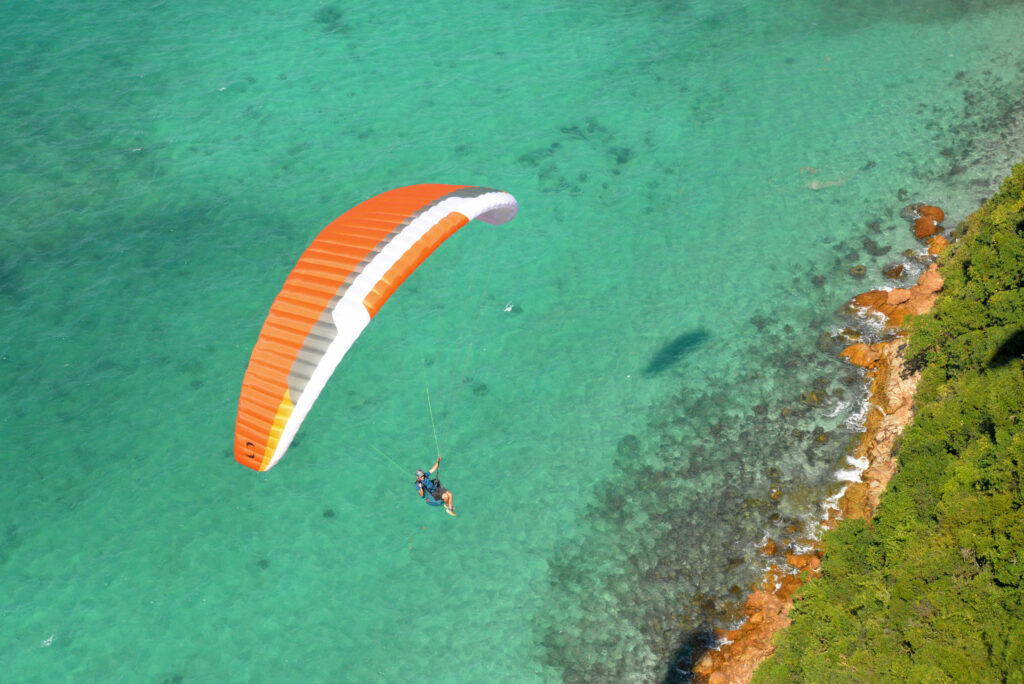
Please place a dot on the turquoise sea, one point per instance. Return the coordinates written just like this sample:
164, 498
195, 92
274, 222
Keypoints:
620, 378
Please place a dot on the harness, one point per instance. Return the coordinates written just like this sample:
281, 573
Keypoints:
431, 485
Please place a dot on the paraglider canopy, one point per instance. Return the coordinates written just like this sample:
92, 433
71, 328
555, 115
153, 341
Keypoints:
339, 283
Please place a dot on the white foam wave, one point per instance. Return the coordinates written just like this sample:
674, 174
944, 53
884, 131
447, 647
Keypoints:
840, 407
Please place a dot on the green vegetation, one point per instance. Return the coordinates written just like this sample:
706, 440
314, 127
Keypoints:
932, 590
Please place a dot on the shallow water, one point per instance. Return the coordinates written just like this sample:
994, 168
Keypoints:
621, 377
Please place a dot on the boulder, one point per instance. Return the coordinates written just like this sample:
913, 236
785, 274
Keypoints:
895, 314
790, 584
898, 296
937, 244
920, 303
763, 602
930, 280
934, 213
871, 300
925, 227
807, 561
850, 333
860, 354
895, 271
855, 503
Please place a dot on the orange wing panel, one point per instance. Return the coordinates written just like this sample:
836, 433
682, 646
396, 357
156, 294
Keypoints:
350, 239
411, 260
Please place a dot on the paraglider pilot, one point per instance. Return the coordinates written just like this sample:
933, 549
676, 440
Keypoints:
432, 486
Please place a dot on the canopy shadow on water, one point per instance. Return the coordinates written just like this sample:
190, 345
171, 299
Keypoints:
674, 351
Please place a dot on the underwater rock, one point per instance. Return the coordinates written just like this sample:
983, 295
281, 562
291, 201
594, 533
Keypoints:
850, 333
818, 280
911, 212
810, 398
629, 447
825, 342
760, 322
875, 249
859, 271
330, 17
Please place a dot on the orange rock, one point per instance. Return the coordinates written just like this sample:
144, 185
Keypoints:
872, 299
774, 576
789, 585
934, 213
925, 227
891, 390
761, 601
832, 520
769, 548
937, 244
894, 318
895, 271
855, 502
921, 302
898, 295
860, 354
930, 280
725, 634
803, 561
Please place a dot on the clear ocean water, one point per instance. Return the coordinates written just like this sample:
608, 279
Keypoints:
620, 378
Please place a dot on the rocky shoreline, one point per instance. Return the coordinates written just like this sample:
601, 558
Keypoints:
892, 384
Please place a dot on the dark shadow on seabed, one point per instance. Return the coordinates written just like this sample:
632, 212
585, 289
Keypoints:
694, 646
1010, 350
674, 351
